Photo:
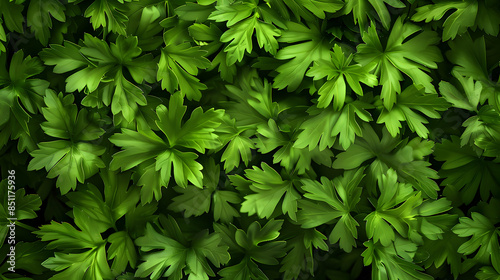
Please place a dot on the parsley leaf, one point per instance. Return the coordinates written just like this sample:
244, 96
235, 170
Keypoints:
361, 11
242, 20
484, 236
195, 201
270, 137
323, 126
178, 66
79, 264
71, 159
12, 15
196, 133
109, 14
268, 188
300, 248
174, 257
338, 199
19, 91
393, 262
38, 17
472, 90
456, 23
239, 146
465, 171
392, 193
445, 249
339, 70
406, 160
487, 273
258, 244
409, 101
412, 57
292, 72
105, 67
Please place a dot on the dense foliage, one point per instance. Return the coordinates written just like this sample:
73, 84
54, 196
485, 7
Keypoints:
251, 139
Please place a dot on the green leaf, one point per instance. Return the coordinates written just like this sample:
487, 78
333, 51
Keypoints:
456, 23
407, 160
12, 15
445, 249
270, 137
195, 201
122, 251
483, 236
192, 200
186, 168
138, 147
361, 12
151, 146
317, 130
341, 196
486, 18
319, 7
347, 126
67, 161
266, 253
26, 205
245, 270
173, 257
104, 67
484, 126
87, 264
269, 188
3, 37
178, 66
242, 25
302, 55
39, 20
324, 126
224, 211
64, 57
238, 149
29, 257
119, 197
66, 236
88, 199
258, 244
463, 170
18, 86
150, 180
306, 9
487, 273
472, 90
251, 103
390, 262
108, 14
413, 57
469, 56
234, 13
193, 12
90, 264
339, 70
65, 122
197, 132
299, 255
392, 193
409, 101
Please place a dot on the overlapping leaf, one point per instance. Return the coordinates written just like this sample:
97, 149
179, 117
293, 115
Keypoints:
413, 57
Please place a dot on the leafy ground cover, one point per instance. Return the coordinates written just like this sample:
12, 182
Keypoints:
250, 139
